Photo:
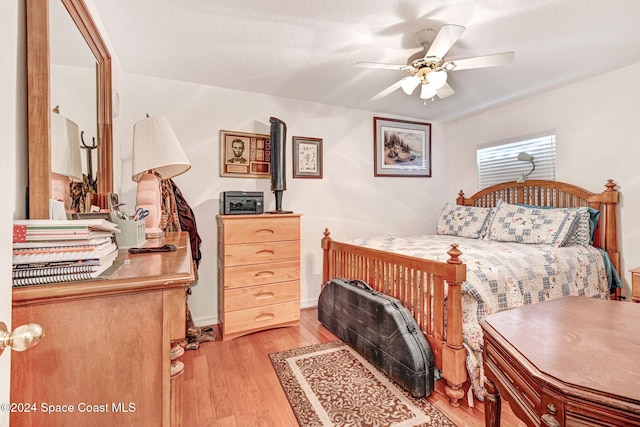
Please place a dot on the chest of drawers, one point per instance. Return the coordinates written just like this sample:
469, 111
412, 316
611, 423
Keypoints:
258, 272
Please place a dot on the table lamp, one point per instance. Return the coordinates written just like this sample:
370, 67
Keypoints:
157, 155
65, 157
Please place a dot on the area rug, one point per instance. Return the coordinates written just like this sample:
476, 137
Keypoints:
330, 384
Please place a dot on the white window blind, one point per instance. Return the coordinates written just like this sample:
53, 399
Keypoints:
499, 163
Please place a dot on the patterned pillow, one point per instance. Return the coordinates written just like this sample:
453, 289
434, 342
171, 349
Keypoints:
585, 225
581, 234
520, 224
463, 221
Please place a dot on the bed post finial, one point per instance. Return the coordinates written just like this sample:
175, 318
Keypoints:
460, 199
454, 254
611, 185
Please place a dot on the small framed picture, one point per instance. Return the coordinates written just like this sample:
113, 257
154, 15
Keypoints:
307, 157
401, 148
245, 155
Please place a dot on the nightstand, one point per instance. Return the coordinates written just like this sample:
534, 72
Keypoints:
635, 285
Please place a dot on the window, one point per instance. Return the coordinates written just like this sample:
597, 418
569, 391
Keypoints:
499, 162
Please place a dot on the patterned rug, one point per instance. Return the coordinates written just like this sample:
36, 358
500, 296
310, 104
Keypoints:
330, 384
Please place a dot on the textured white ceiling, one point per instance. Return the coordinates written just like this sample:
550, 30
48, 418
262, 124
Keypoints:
305, 49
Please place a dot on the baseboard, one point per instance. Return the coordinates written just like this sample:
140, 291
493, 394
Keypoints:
309, 303
209, 321
206, 321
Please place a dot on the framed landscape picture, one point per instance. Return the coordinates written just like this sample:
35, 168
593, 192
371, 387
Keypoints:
401, 148
307, 157
245, 155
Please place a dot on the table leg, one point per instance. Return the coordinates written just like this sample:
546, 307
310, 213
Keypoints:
492, 404
177, 369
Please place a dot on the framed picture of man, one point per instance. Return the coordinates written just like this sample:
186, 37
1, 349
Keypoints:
245, 155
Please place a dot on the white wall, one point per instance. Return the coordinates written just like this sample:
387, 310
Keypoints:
349, 199
596, 139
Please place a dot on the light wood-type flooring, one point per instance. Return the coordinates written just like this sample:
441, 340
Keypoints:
232, 383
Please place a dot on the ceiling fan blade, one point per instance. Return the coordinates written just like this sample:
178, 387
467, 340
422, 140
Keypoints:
388, 90
443, 41
379, 66
445, 91
480, 61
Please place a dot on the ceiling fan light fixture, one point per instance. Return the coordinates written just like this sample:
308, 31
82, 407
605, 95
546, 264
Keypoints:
437, 79
430, 67
428, 91
409, 84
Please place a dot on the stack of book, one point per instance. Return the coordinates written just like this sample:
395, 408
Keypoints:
54, 251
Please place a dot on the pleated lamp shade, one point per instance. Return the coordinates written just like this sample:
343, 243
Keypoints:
156, 148
65, 148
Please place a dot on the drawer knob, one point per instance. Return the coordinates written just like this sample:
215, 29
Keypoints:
263, 317
264, 295
265, 252
262, 274
264, 232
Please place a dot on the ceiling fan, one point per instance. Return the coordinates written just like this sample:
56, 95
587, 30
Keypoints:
430, 68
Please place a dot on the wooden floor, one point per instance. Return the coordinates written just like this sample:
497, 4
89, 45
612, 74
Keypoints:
232, 383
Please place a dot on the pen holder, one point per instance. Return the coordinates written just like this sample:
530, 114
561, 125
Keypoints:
132, 233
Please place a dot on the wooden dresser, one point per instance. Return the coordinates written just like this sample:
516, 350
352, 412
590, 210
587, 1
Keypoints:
110, 352
258, 272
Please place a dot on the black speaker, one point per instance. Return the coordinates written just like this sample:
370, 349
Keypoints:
278, 160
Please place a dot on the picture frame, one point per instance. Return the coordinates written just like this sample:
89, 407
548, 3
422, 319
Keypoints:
307, 157
245, 155
401, 148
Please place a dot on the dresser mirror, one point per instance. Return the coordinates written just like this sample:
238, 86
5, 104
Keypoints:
69, 71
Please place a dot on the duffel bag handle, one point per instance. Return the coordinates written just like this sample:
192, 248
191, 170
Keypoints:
362, 284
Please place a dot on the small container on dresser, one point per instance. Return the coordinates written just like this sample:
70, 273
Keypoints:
635, 285
258, 272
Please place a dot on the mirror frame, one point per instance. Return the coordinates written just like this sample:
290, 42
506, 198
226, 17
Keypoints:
39, 102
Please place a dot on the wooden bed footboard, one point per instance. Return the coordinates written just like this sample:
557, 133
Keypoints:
425, 287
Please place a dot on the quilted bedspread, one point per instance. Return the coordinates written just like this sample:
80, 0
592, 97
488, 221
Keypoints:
502, 275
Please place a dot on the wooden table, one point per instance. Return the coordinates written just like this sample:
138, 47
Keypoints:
566, 362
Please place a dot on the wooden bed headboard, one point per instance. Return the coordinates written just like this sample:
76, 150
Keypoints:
562, 195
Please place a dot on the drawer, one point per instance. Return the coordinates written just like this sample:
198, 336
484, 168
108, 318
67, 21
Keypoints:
260, 274
261, 253
258, 318
258, 296
269, 229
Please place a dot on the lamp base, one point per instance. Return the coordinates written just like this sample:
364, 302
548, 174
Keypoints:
60, 189
149, 198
